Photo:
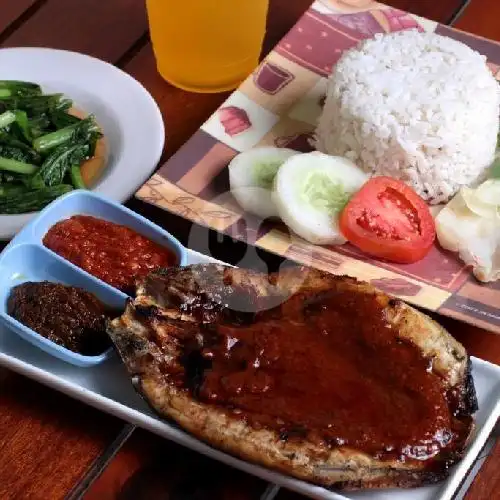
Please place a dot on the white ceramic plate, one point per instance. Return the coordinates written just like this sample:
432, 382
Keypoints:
128, 115
108, 388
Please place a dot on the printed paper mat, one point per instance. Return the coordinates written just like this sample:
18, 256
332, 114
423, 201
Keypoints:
279, 105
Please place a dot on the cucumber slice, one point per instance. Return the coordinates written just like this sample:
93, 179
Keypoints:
310, 191
251, 176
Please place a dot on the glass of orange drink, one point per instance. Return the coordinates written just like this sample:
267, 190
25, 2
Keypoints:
206, 45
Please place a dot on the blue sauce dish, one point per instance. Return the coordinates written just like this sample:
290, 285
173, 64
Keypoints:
26, 259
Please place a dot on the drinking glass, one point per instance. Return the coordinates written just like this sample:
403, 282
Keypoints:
206, 45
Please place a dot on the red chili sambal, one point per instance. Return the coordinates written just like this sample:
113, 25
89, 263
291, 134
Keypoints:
113, 253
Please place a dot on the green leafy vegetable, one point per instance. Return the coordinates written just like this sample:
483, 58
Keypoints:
10, 88
58, 163
40, 125
13, 153
76, 133
6, 118
32, 104
61, 119
42, 146
21, 126
12, 189
18, 167
11, 147
33, 182
92, 142
31, 200
76, 177
63, 104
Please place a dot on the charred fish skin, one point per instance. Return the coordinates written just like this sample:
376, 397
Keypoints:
196, 360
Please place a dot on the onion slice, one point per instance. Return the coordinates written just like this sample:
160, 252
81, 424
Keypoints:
477, 204
470, 225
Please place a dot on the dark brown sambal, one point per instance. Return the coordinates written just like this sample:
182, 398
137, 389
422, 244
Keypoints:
111, 252
66, 315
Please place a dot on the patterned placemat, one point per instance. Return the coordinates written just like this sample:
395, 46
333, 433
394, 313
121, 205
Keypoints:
279, 105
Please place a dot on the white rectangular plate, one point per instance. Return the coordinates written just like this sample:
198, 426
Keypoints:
108, 388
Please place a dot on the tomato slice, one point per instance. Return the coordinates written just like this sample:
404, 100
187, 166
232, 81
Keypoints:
387, 219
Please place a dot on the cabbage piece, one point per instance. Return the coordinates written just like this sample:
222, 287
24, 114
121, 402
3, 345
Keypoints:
473, 233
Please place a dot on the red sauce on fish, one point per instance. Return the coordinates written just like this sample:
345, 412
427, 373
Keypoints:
113, 253
330, 368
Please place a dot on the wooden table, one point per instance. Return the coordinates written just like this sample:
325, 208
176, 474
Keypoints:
53, 447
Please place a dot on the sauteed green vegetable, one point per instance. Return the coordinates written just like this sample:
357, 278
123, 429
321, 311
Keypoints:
42, 146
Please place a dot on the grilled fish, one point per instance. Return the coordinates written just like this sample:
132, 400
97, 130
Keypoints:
321, 377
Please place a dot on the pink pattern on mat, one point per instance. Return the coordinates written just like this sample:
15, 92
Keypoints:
396, 286
310, 43
249, 228
234, 120
399, 20
439, 268
363, 22
271, 78
299, 142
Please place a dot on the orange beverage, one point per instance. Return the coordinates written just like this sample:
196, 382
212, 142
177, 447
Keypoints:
206, 45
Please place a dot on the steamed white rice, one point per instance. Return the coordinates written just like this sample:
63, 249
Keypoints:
420, 107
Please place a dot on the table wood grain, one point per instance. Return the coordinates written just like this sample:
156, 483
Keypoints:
487, 484
149, 468
481, 17
101, 28
12, 11
49, 442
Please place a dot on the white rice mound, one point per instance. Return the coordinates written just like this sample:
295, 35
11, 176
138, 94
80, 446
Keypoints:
420, 107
